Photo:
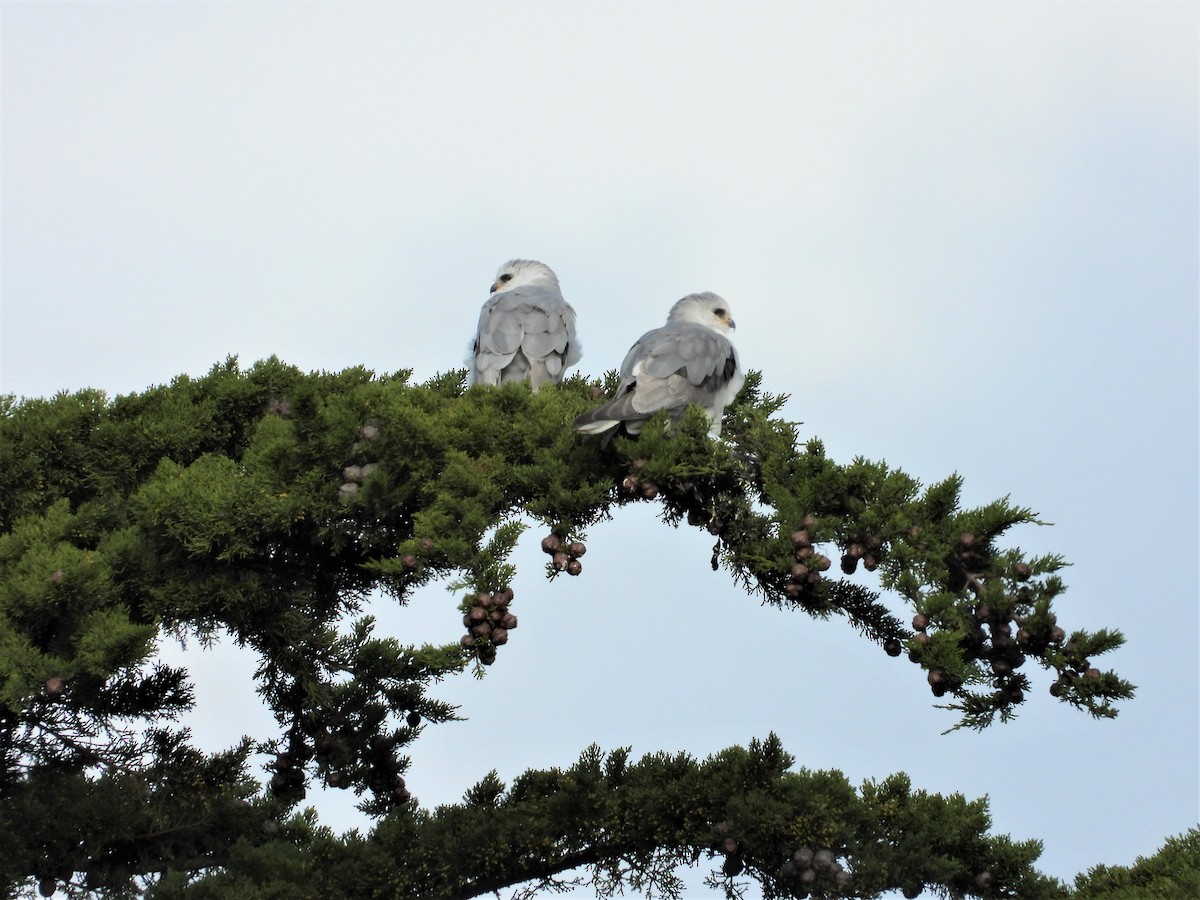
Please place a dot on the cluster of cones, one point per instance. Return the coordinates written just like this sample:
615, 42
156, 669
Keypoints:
806, 573
805, 873
810, 871
999, 637
564, 555
353, 476
488, 623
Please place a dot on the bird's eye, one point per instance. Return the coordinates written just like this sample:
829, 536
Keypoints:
507, 276
720, 313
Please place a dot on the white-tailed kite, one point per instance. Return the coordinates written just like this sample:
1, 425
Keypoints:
526, 330
688, 360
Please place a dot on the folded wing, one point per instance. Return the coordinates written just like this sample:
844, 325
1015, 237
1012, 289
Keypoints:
668, 368
525, 334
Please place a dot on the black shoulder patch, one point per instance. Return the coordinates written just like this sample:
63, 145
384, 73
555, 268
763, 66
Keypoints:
719, 379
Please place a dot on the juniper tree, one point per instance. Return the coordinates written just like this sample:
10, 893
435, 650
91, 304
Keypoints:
269, 504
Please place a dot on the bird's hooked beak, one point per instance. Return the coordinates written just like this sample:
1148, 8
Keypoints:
732, 325
495, 287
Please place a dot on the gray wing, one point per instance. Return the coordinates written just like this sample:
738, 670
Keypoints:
526, 334
668, 368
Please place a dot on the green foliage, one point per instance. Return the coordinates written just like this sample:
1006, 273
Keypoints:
633, 824
1174, 871
269, 504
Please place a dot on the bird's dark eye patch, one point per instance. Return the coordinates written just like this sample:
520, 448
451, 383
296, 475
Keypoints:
720, 313
507, 276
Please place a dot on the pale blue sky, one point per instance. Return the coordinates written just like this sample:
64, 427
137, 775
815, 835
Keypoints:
963, 237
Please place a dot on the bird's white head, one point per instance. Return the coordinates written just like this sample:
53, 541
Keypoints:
703, 309
518, 272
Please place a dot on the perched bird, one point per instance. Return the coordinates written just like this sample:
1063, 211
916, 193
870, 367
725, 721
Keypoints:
688, 360
526, 330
